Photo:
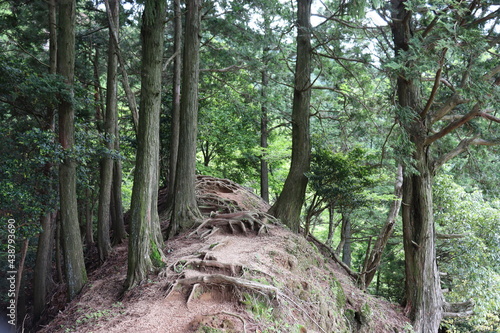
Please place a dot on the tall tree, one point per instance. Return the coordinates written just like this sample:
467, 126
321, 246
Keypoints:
185, 211
74, 264
145, 250
176, 101
43, 261
289, 203
110, 132
424, 299
264, 130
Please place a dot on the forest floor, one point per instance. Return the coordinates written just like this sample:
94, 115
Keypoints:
240, 272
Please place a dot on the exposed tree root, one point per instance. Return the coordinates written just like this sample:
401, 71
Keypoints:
192, 293
209, 202
199, 263
223, 280
242, 221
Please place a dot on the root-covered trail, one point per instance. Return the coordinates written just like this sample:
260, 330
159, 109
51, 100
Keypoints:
239, 271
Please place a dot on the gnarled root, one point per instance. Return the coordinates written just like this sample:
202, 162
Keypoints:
223, 280
243, 221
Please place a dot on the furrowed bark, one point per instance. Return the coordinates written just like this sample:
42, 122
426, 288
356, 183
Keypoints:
185, 211
289, 204
145, 241
76, 275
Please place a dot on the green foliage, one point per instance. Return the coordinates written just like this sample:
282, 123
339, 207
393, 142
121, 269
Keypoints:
259, 306
93, 317
27, 184
342, 178
472, 262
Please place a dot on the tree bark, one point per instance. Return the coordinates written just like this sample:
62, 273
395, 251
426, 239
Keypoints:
264, 166
176, 103
19, 276
185, 211
118, 225
346, 235
89, 216
110, 124
145, 242
43, 265
289, 204
423, 296
74, 264
43, 262
331, 224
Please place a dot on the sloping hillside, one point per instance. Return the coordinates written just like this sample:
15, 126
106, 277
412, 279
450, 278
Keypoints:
239, 272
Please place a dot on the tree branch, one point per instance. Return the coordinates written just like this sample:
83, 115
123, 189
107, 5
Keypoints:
492, 73
490, 16
462, 146
26, 51
437, 80
340, 58
457, 123
231, 68
458, 310
450, 236
449, 105
488, 116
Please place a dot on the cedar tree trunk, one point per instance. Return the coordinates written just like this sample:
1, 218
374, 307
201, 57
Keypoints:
43, 263
145, 242
264, 166
185, 211
176, 103
106, 182
289, 204
74, 264
423, 296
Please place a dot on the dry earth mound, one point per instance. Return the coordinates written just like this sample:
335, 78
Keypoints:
239, 271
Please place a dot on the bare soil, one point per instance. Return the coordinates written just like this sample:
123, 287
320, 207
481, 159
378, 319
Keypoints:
230, 277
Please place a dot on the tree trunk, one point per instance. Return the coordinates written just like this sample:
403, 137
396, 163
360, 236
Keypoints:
331, 225
145, 242
264, 167
103, 211
74, 264
289, 204
110, 123
19, 277
58, 254
423, 296
98, 100
113, 34
347, 236
185, 211
176, 103
118, 226
43, 262
43, 265
89, 219
373, 261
